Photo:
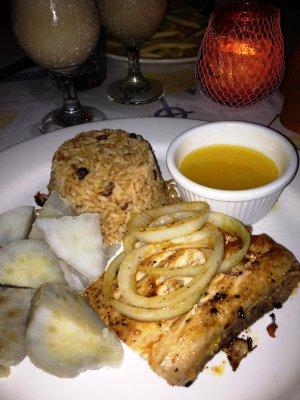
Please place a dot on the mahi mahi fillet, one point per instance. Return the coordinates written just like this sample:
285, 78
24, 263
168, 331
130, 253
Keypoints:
178, 349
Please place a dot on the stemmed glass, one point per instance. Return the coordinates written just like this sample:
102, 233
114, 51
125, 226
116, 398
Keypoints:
59, 35
132, 22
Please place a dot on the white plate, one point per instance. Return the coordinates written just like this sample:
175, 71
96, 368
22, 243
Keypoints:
270, 372
157, 61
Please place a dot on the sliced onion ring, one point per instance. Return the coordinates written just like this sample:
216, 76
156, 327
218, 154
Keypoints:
129, 268
139, 313
178, 271
235, 228
180, 224
151, 314
173, 227
110, 274
128, 243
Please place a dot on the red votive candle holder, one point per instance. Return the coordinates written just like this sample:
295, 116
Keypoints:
241, 58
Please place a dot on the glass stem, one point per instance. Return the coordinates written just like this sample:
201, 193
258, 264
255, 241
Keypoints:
72, 112
134, 79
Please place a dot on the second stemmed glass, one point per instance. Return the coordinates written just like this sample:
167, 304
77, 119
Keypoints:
132, 22
59, 35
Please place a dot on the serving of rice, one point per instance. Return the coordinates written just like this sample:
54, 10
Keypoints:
112, 172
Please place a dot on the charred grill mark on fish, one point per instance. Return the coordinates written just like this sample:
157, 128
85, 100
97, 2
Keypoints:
178, 349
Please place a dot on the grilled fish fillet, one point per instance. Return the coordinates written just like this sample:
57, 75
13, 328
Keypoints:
178, 349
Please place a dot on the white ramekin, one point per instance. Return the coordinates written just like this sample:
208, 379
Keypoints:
248, 206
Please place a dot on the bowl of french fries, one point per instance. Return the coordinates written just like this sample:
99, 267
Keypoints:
170, 54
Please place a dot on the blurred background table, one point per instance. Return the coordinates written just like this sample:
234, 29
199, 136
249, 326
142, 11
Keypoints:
26, 96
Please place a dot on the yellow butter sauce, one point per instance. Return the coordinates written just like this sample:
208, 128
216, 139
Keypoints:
229, 167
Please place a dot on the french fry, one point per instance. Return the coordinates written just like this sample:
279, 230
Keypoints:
168, 45
165, 34
183, 21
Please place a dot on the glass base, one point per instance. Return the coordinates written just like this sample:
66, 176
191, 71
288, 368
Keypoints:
51, 121
119, 93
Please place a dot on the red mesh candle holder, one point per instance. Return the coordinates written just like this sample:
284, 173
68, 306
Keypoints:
241, 58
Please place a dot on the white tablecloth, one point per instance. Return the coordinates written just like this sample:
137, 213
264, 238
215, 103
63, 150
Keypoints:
30, 95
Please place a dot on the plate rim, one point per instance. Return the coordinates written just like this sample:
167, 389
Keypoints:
155, 61
177, 392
